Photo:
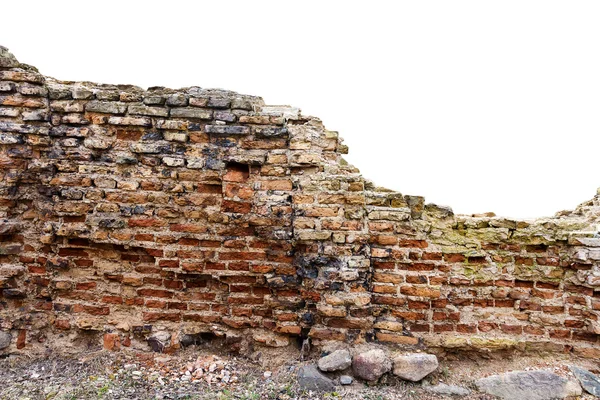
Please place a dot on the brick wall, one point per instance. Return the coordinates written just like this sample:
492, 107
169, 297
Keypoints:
126, 211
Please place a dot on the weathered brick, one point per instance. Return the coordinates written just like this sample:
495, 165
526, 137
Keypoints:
106, 107
134, 121
193, 113
155, 293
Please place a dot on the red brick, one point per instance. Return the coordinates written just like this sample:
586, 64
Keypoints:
524, 284
512, 329
393, 301
571, 323
553, 309
242, 256
385, 289
112, 299
487, 326
144, 237
466, 328
155, 293
64, 252
207, 319
123, 134
560, 334
93, 310
62, 324
168, 263
326, 334
534, 330
546, 285
170, 284
420, 291
85, 285
151, 303
155, 316
245, 300
454, 258
419, 328
146, 222
530, 305
172, 305
421, 244
21, 339
443, 328
111, 341
209, 189
236, 174
239, 207
190, 228
418, 305
585, 336
523, 260
483, 303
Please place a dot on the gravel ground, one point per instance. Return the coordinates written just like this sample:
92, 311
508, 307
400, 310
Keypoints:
199, 374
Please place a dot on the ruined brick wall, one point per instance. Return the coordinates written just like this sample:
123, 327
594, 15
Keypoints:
126, 212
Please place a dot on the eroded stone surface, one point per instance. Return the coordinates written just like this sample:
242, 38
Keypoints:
336, 361
371, 365
309, 378
529, 385
589, 381
5, 339
414, 367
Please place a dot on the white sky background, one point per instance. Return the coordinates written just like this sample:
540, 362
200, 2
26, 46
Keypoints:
479, 105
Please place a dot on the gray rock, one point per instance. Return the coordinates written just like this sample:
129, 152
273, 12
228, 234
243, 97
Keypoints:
5, 338
98, 142
177, 99
8, 138
371, 365
7, 60
136, 109
109, 95
309, 378
35, 115
528, 385
80, 92
589, 381
219, 102
126, 160
227, 129
415, 366
191, 113
346, 380
9, 228
159, 340
153, 148
224, 116
106, 107
133, 121
448, 390
336, 361
269, 132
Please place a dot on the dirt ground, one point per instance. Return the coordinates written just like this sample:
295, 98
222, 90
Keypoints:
267, 374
